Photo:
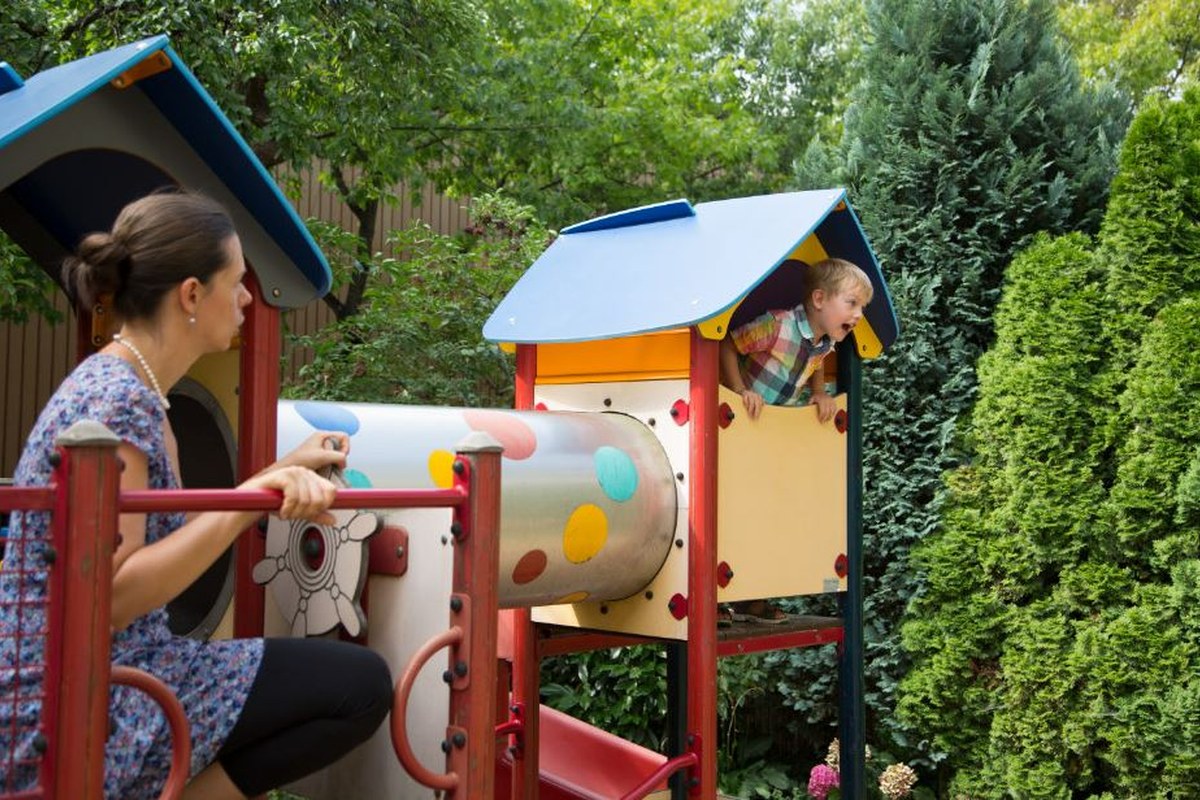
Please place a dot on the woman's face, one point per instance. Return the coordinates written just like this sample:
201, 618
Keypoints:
219, 311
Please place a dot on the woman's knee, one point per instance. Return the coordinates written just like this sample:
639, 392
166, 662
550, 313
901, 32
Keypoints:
373, 679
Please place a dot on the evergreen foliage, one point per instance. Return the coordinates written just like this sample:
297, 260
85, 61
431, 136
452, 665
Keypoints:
970, 133
1068, 666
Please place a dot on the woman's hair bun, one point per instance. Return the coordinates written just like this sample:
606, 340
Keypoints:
99, 267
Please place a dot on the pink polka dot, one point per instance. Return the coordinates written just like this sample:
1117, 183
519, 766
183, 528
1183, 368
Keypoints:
531, 565
518, 439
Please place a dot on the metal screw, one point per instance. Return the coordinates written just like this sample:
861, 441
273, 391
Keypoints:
456, 529
678, 476
649, 595
679, 542
650, 422
459, 468
607, 402
460, 739
456, 604
445, 746
400, 552
448, 676
460, 669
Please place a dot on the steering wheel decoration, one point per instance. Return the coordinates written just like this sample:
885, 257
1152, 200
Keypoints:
317, 572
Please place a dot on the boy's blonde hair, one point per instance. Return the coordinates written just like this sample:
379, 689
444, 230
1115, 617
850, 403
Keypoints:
833, 275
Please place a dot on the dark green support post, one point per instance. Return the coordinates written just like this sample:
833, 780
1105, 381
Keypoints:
851, 710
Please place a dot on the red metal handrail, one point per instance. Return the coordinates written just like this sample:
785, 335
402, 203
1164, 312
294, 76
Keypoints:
181, 739
655, 779
26, 498
444, 781
143, 500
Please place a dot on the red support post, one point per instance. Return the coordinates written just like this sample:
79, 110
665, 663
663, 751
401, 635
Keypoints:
258, 392
88, 477
474, 607
526, 681
702, 566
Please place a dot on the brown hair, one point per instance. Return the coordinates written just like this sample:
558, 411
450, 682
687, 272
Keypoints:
833, 275
156, 243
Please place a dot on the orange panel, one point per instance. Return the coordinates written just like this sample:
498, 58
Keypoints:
651, 356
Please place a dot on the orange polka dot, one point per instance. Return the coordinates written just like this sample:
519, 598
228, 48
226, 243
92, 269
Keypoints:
573, 597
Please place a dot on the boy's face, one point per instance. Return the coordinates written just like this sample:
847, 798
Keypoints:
837, 313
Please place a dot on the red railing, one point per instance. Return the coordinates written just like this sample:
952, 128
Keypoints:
71, 628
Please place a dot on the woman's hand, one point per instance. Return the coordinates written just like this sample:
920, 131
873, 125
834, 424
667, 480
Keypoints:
320, 450
306, 495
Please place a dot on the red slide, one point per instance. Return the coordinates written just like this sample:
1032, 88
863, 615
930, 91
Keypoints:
581, 762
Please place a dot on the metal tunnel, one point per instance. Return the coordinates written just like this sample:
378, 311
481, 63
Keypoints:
588, 500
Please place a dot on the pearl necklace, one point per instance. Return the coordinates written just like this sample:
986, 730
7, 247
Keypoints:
141, 359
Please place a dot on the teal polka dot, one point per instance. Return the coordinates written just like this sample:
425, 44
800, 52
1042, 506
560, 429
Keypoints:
356, 479
616, 473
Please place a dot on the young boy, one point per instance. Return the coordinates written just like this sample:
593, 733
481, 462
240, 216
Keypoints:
772, 357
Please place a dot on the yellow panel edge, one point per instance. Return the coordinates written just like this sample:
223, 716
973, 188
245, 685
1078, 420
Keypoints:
866, 340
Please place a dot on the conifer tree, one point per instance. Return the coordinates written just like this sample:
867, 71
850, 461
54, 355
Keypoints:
1057, 644
970, 133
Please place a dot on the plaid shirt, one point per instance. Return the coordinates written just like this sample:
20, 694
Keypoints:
779, 354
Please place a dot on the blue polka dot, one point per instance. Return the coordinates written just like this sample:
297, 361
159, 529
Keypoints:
616, 473
328, 417
356, 479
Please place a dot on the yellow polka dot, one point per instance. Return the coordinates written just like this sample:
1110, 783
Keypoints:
573, 597
441, 468
585, 534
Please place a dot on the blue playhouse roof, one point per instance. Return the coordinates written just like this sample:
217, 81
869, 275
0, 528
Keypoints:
672, 265
80, 140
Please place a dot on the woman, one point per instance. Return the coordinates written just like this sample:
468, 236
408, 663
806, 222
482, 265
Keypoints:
174, 267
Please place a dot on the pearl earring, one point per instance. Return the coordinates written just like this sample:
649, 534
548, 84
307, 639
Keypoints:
191, 320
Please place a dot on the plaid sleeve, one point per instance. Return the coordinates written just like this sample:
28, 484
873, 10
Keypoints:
757, 335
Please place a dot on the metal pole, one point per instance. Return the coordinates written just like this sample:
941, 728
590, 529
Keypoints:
78, 649
702, 566
526, 674
258, 394
474, 606
851, 726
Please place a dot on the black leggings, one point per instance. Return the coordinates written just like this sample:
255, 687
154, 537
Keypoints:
312, 702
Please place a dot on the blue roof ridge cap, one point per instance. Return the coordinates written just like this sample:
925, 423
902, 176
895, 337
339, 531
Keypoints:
9, 78
642, 215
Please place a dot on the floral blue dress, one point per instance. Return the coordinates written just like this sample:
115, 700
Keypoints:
212, 679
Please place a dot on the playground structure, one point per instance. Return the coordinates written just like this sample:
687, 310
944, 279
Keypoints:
625, 498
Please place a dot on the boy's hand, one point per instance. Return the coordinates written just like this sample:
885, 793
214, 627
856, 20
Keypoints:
826, 407
753, 402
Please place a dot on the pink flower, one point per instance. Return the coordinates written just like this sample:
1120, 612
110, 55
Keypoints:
821, 779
